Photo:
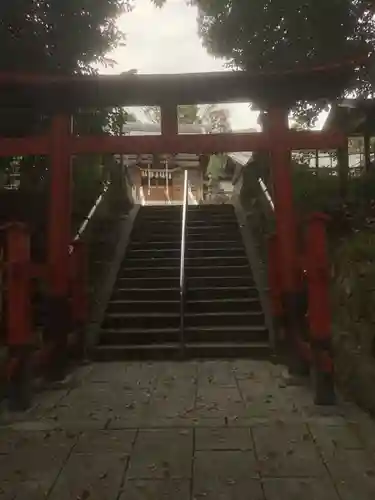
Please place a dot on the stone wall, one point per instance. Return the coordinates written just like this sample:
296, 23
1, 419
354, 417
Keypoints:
353, 296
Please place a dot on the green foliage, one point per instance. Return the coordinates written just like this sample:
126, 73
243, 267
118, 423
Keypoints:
216, 119
153, 113
213, 117
116, 119
279, 35
54, 36
187, 114
57, 37
354, 276
315, 191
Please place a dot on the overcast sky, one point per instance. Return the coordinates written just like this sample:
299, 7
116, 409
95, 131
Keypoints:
166, 41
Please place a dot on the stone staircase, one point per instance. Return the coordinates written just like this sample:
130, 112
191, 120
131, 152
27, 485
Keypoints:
223, 315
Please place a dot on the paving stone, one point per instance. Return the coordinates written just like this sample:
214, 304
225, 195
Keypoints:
82, 410
105, 441
224, 438
328, 414
365, 427
54, 442
172, 403
172, 374
151, 421
160, 489
353, 488
219, 403
245, 489
25, 490
77, 423
40, 425
266, 400
216, 373
107, 372
300, 489
226, 475
8, 440
91, 477
344, 464
36, 459
333, 437
224, 466
47, 400
89, 429
136, 413
287, 450
162, 454
142, 375
251, 390
260, 371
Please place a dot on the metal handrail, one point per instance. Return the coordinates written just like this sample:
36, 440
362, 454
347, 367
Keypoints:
243, 159
87, 219
182, 263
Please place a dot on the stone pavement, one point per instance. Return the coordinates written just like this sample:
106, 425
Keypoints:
214, 430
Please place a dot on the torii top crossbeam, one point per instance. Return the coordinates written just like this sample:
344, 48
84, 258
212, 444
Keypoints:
54, 93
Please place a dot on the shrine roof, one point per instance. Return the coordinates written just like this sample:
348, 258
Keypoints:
354, 116
69, 93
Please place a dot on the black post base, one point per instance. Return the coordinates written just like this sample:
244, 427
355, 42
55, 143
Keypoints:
324, 388
79, 348
296, 328
57, 329
323, 374
20, 381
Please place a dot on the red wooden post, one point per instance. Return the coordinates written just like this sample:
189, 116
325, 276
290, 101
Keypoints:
19, 320
276, 127
319, 310
275, 286
79, 293
59, 237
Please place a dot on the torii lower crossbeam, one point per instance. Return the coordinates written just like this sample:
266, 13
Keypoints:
197, 144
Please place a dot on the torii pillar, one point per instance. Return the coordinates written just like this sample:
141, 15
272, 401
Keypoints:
277, 127
59, 240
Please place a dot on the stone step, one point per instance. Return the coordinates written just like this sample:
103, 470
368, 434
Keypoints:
175, 253
140, 306
149, 282
172, 351
219, 281
150, 294
146, 320
225, 319
221, 293
223, 305
191, 271
204, 261
213, 243
225, 334
140, 335
204, 233
157, 335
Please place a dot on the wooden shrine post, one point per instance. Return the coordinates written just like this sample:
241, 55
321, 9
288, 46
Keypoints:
169, 120
59, 239
276, 127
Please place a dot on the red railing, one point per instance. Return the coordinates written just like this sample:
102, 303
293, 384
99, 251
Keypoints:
314, 347
27, 355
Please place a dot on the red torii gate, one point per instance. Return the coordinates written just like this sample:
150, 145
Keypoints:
60, 96
61, 144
